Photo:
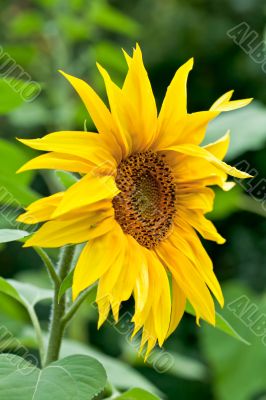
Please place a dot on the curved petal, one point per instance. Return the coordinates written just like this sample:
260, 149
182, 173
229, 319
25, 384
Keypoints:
87, 191
133, 262
186, 240
59, 161
141, 102
224, 103
98, 111
72, 231
177, 308
174, 106
192, 127
201, 152
96, 258
205, 227
201, 198
119, 110
106, 294
41, 210
189, 279
219, 148
161, 304
93, 147
141, 289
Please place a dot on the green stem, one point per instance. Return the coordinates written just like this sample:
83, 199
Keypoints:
38, 332
56, 329
48, 264
252, 205
75, 306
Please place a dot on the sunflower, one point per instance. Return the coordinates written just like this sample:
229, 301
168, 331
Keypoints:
140, 201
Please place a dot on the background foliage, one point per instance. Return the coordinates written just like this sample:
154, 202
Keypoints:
43, 36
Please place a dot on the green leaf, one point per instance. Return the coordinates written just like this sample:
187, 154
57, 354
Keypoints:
247, 126
109, 55
26, 294
10, 98
66, 178
26, 24
15, 194
114, 20
66, 284
238, 371
137, 394
226, 203
13, 156
75, 377
186, 367
221, 323
10, 235
114, 367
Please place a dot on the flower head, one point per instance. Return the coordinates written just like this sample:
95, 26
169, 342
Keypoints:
140, 202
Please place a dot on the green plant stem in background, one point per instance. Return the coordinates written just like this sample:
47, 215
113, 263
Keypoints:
56, 329
38, 332
48, 264
75, 306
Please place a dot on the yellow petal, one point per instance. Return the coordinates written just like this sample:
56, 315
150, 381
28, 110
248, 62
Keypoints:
200, 198
224, 103
192, 127
118, 108
178, 307
220, 147
189, 280
162, 300
110, 277
72, 231
149, 335
141, 102
98, 111
41, 210
128, 58
93, 147
142, 285
96, 258
223, 99
103, 308
174, 106
186, 240
128, 276
88, 190
200, 152
58, 161
201, 224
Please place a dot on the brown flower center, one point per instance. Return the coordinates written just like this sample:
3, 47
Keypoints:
146, 204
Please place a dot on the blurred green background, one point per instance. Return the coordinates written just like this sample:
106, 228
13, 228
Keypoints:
43, 36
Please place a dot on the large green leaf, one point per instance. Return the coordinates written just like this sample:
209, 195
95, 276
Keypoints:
186, 367
75, 377
247, 126
238, 371
14, 187
15, 194
10, 98
115, 368
137, 394
13, 155
26, 294
10, 235
222, 324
